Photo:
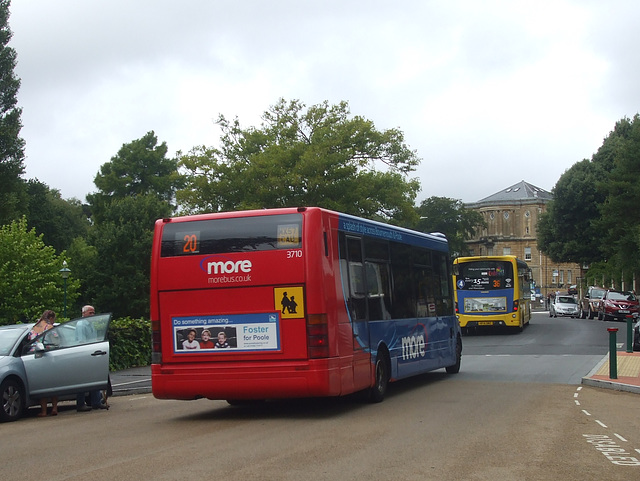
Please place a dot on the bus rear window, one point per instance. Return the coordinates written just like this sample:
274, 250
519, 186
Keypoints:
240, 234
483, 275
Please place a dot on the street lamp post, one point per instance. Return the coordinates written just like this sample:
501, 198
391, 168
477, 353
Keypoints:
64, 272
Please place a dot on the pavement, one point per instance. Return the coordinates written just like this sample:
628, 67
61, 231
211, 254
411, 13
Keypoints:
137, 380
627, 365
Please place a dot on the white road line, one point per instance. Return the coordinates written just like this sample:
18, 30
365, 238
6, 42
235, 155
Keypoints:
601, 423
130, 382
586, 412
620, 437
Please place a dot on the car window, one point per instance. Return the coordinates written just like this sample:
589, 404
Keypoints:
567, 300
8, 339
85, 330
596, 294
621, 296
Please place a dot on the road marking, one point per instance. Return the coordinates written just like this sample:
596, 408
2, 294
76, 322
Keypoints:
131, 382
601, 424
586, 412
620, 438
612, 451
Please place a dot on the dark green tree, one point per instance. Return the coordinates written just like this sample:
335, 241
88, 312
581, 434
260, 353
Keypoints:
619, 224
139, 168
12, 191
320, 156
59, 220
593, 218
566, 231
118, 281
451, 218
135, 189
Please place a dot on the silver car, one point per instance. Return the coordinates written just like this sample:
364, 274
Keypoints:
67, 359
564, 306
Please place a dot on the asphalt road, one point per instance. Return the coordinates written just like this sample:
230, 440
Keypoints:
515, 411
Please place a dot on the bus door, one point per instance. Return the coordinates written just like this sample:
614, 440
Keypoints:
355, 291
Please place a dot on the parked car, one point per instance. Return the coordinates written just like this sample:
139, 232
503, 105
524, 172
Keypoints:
618, 305
563, 306
590, 303
67, 359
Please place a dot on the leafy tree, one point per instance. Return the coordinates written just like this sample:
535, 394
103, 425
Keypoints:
321, 156
83, 262
593, 217
566, 231
11, 145
119, 279
139, 168
619, 224
135, 189
59, 220
30, 280
449, 217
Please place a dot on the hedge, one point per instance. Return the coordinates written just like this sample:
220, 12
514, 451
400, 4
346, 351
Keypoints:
130, 341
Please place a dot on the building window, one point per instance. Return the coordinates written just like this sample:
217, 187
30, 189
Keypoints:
506, 215
561, 281
489, 251
506, 251
527, 253
569, 277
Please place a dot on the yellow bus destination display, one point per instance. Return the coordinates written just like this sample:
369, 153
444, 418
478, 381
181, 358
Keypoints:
288, 236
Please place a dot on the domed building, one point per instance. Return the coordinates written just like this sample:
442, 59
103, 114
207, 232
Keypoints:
512, 215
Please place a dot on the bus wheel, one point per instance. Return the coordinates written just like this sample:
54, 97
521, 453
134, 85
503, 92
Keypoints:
455, 368
379, 389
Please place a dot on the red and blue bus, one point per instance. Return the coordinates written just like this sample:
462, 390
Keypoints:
296, 302
492, 291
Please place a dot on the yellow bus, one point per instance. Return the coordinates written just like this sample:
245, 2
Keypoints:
492, 291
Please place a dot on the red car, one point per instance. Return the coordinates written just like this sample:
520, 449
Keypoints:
618, 305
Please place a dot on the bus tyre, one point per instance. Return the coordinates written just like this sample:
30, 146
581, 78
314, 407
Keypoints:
379, 389
11, 400
455, 368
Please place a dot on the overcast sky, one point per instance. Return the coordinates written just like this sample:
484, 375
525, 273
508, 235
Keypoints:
488, 92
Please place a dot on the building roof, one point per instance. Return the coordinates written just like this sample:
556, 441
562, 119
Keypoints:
522, 192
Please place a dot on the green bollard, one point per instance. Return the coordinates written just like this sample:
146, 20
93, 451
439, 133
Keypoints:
630, 333
613, 360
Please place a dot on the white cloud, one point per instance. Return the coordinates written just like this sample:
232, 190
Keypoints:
488, 93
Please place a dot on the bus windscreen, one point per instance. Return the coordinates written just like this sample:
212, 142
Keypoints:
485, 275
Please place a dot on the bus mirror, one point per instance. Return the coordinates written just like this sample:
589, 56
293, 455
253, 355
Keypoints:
456, 270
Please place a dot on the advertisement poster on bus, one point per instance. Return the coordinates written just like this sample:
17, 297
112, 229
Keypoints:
224, 333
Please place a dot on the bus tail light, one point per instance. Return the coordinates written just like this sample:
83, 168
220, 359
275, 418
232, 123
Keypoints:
156, 354
317, 336
516, 303
457, 310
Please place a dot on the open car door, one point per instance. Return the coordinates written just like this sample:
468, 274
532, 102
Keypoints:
69, 358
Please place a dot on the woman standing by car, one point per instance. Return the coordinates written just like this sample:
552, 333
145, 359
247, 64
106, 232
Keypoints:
45, 323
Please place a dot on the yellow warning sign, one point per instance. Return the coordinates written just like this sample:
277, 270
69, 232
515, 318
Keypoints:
289, 301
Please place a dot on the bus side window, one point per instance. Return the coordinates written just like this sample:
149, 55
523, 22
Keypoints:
403, 305
351, 251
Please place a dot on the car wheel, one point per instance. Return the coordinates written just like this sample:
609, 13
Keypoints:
591, 314
600, 316
12, 399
